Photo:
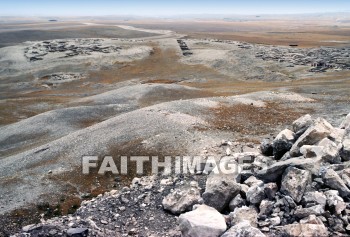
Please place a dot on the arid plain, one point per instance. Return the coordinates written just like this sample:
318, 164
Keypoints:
152, 87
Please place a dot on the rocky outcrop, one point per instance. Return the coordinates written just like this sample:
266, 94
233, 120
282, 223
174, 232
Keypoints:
307, 195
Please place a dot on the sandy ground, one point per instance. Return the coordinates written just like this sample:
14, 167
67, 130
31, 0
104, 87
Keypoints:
146, 99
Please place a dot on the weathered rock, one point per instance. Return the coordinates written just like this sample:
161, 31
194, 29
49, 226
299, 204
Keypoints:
314, 198
312, 219
266, 208
238, 201
220, 190
346, 123
256, 193
326, 151
345, 151
346, 179
335, 202
294, 182
244, 214
273, 173
311, 151
275, 221
204, 221
253, 181
181, 200
244, 189
77, 232
304, 230
266, 147
321, 129
337, 135
288, 201
302, 124
243, 229
305, 212
270, 190
332, 179
330, 151
283, 143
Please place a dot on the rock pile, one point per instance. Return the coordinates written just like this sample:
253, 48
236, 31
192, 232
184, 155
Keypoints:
68, 48
320, 59
303, 192
298, 186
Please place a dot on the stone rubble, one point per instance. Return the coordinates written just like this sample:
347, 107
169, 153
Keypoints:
70, 48
304, 194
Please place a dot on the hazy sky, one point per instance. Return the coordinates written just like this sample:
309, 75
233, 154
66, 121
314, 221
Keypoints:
167, 7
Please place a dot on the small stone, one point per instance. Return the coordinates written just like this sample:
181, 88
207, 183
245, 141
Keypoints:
104, 222
302, 124
77, 232
335, 201
266, 208
283, 143
266, 147
244, 213
256, 193
243, 229
305, 212
270, 190
333, 180
310, 230
275, 221
238, 201
181, 200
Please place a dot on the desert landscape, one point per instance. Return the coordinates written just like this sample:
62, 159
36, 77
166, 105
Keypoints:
147, 87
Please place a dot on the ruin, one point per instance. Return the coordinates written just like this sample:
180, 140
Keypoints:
183, 46
70, 48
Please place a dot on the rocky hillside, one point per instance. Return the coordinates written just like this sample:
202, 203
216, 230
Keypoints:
298, 185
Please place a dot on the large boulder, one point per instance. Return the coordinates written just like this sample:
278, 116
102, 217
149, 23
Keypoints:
321, 129
294, 182
220, 190
244, 213
243, 229
302, 124
304, 230
333, 180
204, 221
282, 143
181, 200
